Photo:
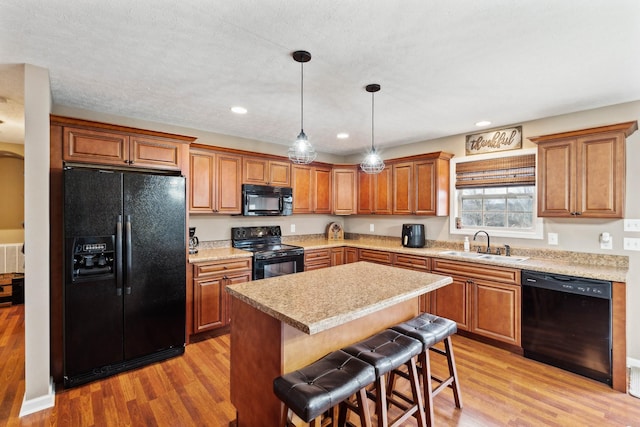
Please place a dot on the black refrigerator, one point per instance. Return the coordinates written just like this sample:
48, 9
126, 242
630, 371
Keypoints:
125, 271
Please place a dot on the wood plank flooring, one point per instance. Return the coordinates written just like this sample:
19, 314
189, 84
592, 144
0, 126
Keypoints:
498, 389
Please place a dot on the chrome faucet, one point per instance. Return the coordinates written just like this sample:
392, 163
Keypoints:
488, 241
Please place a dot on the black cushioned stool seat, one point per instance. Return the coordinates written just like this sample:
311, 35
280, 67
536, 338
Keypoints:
387, 351
430, 329
311, 391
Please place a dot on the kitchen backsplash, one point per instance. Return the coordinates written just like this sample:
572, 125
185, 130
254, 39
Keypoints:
11, 258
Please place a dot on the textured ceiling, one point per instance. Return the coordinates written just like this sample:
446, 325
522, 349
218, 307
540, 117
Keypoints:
442, 65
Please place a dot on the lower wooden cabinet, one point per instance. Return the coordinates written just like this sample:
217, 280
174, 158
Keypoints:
419, 263
317, 258
350, 255
337, 256
211, 303
372, 255
482, 299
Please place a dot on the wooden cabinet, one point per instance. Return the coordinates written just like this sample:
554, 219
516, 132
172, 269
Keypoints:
482, 299
419, 263
372, 255
582, 173
337, 256
350, 255
421, 185
344, 190
215, 185
262, 171
375, 192
120, 147
315, 259
311, 189
211, 308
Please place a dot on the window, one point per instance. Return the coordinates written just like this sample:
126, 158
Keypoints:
496, 194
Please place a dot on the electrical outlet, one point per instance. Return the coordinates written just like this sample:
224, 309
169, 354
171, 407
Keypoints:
606, 241
293, 228
552, 238
631, 244
632, 225
372, 227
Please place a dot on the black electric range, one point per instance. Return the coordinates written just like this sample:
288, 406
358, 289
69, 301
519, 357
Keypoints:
271, 257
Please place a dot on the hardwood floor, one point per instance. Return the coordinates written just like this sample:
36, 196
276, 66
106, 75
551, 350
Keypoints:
498, 388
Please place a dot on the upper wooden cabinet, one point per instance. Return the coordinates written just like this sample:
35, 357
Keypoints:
261, 171
311, 189
105, 144
421, 185
215, 185
344, 190
582, 173
375, 192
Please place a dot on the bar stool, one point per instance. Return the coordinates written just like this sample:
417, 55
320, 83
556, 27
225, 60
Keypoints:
387, 351
321, 386
430, 329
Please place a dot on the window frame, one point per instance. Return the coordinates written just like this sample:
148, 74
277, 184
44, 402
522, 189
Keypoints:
536, 232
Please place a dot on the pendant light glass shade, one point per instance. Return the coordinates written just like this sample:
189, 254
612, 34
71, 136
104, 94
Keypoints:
372, 162
301, 151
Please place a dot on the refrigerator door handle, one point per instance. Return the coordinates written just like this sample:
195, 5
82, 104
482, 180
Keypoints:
127, 283
119, 256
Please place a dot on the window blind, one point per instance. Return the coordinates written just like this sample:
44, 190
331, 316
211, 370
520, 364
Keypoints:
500, 172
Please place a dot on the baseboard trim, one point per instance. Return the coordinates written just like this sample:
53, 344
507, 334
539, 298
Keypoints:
631, 362
39, 403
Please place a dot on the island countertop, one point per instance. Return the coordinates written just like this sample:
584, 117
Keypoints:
317, 300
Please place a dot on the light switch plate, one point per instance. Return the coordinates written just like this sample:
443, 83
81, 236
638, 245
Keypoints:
372, 227
552, 238
631, 244
293, 228
632, 225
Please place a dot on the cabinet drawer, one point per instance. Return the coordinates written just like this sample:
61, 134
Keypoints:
317, 254
375, 256
223, 266
411, 261
5, 291
477, 271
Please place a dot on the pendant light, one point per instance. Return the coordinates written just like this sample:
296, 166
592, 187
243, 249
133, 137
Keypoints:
372, 163
301, 151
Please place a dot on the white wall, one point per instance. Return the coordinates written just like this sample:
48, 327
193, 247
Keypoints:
38, 386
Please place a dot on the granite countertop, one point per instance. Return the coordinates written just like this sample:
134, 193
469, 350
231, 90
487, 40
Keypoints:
215, 254
314, 301
572, 264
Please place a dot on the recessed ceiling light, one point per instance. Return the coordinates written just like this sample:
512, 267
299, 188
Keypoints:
342, 135
483, 123
239, 110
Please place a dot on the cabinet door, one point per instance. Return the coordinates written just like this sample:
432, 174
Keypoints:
88, 146
279, 173
322, 187
337, 256
301, 180
229, 187
556, 178
496, 311
601, 174
403, 188
209, 312
350, 255
426, 180
255, 171
202, 182
452, 302
233, 279
383, 192
344, 191
365, 193
317, 258
154, 153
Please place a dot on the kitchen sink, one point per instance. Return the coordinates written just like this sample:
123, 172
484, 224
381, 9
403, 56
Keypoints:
488, 257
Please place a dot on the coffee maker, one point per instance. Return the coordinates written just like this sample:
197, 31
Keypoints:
193, 241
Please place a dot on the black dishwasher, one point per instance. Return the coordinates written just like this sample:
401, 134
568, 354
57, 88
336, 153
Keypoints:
566, 322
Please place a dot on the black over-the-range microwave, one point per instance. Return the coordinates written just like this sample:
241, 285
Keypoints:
265, 200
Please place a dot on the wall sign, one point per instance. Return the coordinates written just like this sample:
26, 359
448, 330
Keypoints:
497, 140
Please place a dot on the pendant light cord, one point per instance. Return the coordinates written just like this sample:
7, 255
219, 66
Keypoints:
302, 96
372, 118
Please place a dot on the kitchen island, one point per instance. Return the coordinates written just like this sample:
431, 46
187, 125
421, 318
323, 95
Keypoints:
284, 323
